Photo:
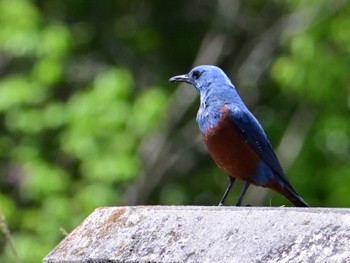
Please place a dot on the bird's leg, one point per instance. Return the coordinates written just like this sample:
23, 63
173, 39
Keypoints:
232, 180
247, 184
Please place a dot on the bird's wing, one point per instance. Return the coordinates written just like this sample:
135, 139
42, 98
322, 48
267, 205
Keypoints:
253, 134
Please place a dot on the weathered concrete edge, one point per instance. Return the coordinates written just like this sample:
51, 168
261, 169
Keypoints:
342, 210
265, 211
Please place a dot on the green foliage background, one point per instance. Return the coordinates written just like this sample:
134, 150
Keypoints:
88, 118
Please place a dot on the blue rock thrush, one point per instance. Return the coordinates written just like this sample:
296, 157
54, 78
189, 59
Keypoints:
234, 138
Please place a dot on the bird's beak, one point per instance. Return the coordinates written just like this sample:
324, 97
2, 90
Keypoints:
181, 78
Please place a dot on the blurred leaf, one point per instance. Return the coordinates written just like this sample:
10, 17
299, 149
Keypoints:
19, 21
25, 120
8, 207
16, 90
95, 195
150, 107
113, 84
48, 71
55, 41
111, 168
41, 180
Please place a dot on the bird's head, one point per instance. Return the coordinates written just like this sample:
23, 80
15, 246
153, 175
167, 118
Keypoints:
202, 78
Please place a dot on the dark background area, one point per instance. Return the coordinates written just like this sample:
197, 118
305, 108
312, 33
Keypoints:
89, 119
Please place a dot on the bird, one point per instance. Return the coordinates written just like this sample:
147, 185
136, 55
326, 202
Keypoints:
234, 138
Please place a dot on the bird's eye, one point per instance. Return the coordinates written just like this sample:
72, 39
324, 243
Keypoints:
196, 74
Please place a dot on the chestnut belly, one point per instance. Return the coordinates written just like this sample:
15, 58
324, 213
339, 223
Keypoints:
230, 152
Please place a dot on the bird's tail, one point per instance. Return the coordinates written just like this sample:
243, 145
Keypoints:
287, 190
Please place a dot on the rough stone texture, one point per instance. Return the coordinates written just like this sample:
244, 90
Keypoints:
208, 234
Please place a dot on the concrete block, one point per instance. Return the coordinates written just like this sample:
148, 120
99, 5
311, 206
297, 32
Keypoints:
208, 234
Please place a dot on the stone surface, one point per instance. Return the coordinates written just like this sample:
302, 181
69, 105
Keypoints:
208, 234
